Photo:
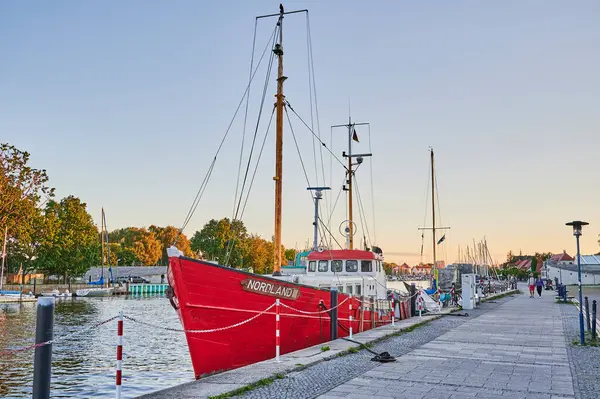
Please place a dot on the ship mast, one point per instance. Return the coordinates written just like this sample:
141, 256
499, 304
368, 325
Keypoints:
434, 270
350, 174
278, 50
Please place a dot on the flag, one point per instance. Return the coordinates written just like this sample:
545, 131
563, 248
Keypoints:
441, 240
355, 136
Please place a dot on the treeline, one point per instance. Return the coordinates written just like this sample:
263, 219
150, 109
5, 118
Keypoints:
59, 237
229, 243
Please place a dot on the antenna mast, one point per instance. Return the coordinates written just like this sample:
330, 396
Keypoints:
350, 174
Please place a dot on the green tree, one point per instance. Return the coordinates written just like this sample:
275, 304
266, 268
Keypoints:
70, 245
221, 241
290, 254
388, 267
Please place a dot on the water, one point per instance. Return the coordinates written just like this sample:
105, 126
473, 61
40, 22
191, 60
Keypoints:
84, 366
399, 285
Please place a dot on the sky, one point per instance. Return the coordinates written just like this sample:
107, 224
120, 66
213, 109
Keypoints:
125, 103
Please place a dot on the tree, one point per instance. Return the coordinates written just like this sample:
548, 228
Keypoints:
167, 237
139, 242
509, 257
290, 255
70, 245
388, 268
221, 241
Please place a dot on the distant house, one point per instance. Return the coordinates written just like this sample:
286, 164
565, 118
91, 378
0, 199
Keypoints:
422, 268
564, 268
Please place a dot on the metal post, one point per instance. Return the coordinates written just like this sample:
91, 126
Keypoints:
581, 335
393, 313
587, 314
277, 334
333, 302
350, 318
413, 300
42, 361
318, 196
594, 319
119, 372
373, 324
34, 285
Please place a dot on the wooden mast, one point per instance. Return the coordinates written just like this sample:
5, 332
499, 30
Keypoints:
278, 50
434, 270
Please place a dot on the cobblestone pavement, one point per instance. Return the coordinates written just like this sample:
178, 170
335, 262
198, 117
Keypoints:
517, 350
323, 377
585, 361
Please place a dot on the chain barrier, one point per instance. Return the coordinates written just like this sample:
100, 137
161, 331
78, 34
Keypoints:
55, 340
318, 312
199, 331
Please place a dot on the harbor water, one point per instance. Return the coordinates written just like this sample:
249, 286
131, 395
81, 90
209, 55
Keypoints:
84, 366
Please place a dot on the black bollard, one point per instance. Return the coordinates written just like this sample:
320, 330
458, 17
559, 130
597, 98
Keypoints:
413, 300
587, 314
42, 361
334, 313
34, 284
594, 319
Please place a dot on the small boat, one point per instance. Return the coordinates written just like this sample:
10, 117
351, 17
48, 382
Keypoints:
94, 292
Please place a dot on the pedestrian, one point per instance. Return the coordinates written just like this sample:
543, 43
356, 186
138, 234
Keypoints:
539, 284
531, 284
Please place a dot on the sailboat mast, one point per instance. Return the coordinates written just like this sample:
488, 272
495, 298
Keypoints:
102, 240
350, 224
278, 50
433, 215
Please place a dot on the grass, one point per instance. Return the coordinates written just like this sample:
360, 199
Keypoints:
588, 340
260, 383
325, 348
569, 302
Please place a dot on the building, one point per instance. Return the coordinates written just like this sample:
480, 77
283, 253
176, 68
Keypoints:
155, 274
563, 268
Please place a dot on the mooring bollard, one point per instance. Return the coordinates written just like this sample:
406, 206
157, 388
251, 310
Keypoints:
413, 300
277, 334
350, 318
587, 314
42, 361
333, 303
594, 319
119, 372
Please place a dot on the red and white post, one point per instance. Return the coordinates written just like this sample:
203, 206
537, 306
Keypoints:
119, 353
277, 335
393, 304
350, 318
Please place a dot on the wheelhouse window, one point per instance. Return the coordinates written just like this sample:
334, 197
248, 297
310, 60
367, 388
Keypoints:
349, 289
351, 266
312, 266
366, 266
323, 265
358, 289
336, 266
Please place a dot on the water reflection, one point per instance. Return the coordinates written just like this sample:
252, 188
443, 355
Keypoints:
84, 366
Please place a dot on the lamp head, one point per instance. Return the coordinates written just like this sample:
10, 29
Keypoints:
577, 226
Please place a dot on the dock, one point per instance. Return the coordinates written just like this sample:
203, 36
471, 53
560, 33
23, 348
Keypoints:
269, 373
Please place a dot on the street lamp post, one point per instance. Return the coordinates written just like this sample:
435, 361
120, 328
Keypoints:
577, 225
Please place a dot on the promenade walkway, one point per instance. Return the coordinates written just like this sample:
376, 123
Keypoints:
517, 350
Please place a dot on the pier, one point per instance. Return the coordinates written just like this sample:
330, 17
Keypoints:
512, 346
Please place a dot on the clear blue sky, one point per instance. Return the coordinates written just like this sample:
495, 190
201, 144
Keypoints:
124, 104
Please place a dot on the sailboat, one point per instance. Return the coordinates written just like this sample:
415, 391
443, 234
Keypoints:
435, 242
102, 290
229, 314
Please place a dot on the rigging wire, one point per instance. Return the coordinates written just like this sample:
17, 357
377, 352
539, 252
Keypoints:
372, 191
425, 217
241, 215
204, 183
314, 134
236, 215
321, 224
237, 186
362, 212
314, 91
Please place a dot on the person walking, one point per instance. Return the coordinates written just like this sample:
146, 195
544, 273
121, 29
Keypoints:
531, 284
539, 284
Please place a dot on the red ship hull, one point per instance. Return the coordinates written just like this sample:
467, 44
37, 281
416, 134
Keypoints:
211, 297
